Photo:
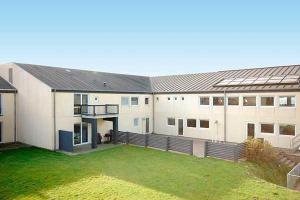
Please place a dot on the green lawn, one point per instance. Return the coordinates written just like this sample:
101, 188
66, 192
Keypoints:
128, 172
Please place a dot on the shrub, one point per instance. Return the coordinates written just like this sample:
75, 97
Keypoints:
258, 150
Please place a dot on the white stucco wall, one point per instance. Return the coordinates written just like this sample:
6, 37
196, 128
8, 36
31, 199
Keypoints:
237, 117
7, 117
34, 108
65, 118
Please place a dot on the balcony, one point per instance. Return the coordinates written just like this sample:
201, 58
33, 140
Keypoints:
96, 110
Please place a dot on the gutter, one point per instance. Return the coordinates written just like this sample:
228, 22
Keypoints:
225, 117
153, 109
15, 116
54, 122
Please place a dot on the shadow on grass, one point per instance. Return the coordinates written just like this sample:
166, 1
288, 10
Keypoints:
29, 171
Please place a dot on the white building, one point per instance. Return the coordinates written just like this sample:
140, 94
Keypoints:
226, 105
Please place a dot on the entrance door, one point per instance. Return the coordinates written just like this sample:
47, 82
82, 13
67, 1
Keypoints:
250, 130
147, 125
180, 126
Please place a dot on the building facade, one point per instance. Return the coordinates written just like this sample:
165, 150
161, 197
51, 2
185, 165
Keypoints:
224, 106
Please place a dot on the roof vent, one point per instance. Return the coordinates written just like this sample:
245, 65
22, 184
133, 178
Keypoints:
67, 70
104, 84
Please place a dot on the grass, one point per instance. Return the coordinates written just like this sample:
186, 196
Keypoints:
127, 172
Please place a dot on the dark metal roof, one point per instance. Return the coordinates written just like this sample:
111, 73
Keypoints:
205, 82
63, 79
6, 86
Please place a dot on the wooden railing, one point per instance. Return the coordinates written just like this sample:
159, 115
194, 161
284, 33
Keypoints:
96, 110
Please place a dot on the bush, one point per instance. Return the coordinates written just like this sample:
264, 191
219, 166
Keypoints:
258, 150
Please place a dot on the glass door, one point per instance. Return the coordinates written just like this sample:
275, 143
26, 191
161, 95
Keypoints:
250, 130
147, 125
180, 126
80, 135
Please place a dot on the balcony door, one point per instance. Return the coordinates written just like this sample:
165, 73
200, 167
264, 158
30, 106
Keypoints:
80, 99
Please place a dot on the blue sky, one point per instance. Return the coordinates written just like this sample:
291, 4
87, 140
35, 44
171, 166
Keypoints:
151, 37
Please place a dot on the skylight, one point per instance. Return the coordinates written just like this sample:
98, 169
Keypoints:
265, 80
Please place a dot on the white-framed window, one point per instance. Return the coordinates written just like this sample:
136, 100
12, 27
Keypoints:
157, 98
182, 98
192, 123
79, 100
204, 101
175, 98
125, 101
80, 133
146, 100
287, 101
249, 101
267, 128
135, 121
204, 123
171, 121
233, 101
169, 98
218, 101
134, 101
287, 129
267, 101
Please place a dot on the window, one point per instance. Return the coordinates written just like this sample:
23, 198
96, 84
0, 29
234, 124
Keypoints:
146, 100
218, 101
77, 137
249, 101
80, 133
287, 101
182, 98
204, 100
157, 99
175, 98
191, 123
169, 98
135, 121
171, 121
233, 101
267, 128
204, 123
10, 75
77, 102
134, 101
124, 101
267, 101
287, 130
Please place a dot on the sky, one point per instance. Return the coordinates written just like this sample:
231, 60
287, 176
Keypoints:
156, 37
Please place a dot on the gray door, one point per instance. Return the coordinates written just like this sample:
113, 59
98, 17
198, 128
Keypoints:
180, 126
147, 125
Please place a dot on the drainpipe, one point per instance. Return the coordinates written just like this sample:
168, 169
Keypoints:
15, 117
54, 115
225, 110
153, 109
